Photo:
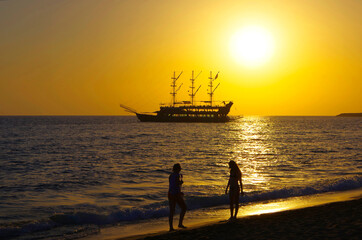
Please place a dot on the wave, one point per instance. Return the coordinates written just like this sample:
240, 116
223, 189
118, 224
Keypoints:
91, 221
321, 187
46, 230
25, 227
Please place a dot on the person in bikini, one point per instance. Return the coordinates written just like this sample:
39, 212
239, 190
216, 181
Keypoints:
235, 188
176, 196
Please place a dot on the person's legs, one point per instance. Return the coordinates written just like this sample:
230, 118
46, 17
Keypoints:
236, 202
183, 207
231, 199
172, 206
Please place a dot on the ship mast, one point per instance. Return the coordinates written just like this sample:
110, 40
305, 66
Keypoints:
192, 87
211, 91
174, 90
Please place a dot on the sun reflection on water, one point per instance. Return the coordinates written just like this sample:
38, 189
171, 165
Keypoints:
250, 149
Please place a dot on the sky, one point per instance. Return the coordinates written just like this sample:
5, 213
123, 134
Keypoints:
85, 57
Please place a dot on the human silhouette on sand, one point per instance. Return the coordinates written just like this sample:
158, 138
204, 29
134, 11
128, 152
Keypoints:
176, 196
235, 188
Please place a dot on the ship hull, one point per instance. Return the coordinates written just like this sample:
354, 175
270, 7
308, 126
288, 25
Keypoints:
155, 118
212, 114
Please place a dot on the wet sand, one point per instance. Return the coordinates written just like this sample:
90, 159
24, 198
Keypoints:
340, 220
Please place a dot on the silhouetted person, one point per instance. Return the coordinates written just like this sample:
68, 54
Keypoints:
235, 188
176, 196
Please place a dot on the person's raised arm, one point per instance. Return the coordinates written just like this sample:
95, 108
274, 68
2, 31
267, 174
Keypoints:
180, 181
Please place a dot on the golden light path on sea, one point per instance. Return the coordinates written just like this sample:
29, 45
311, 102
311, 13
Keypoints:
253, 134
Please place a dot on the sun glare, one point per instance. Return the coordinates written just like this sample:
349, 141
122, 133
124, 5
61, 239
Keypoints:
252, 46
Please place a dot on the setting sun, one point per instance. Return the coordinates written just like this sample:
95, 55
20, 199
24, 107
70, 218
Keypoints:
252, 46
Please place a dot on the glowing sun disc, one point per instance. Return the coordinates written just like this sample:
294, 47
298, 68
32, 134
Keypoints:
252, 46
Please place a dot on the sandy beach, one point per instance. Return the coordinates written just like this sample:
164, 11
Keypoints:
341, 220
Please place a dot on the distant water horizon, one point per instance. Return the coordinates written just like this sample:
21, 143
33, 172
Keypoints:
132, 115
71, 175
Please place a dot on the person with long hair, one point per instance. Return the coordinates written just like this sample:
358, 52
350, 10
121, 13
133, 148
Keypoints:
235, 188
176, 196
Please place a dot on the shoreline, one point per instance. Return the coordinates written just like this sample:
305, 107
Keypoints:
338, 220
215, 216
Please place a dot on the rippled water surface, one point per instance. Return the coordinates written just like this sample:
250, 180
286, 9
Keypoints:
74, 174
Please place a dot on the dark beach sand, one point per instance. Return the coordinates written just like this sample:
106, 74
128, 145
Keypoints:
341, 220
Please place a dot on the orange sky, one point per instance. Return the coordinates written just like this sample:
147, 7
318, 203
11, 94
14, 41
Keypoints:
85, 57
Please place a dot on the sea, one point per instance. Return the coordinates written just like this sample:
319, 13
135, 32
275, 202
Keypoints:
67, 177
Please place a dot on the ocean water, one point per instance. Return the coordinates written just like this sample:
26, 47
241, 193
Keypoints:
67, 177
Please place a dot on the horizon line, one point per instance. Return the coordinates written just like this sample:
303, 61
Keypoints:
130, 115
